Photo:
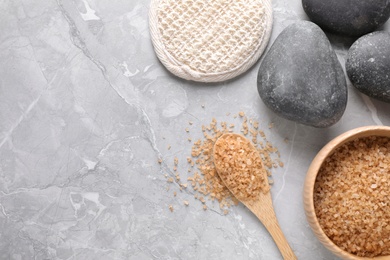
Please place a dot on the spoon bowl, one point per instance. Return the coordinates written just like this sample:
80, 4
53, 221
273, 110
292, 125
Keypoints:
240, 167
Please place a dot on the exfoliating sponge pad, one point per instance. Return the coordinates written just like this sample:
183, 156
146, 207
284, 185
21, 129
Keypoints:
209, 40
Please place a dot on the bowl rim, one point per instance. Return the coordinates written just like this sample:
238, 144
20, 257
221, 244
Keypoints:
311, 176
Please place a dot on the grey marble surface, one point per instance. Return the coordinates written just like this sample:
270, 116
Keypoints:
86, 110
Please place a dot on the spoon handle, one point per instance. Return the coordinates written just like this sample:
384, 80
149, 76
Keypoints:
265, 213
274, 229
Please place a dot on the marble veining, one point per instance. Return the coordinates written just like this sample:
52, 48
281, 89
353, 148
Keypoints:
86, 110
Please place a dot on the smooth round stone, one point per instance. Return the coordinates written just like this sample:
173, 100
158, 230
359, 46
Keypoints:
348, 17
301, 79
368, 65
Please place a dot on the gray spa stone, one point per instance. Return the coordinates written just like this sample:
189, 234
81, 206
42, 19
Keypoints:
301, 79
348, 17
368, 65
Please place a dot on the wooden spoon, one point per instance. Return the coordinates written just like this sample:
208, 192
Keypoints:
261, 204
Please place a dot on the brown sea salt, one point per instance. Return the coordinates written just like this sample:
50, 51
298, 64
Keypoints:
202, 178
206, 181
351, 196
240, 167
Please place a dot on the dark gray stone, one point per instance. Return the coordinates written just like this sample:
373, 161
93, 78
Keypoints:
368, 65
348, 17
301, 79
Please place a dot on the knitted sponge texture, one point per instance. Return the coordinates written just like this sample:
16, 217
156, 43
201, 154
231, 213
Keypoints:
210, 40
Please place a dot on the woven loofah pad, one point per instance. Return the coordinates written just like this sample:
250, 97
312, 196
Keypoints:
209, 40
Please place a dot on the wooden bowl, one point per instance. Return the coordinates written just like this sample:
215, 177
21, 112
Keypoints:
312, 175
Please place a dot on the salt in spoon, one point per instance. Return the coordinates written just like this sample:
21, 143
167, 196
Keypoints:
240, 167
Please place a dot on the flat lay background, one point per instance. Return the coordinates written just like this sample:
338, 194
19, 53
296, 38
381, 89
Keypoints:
86, 111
